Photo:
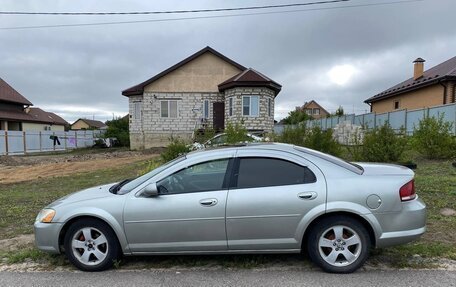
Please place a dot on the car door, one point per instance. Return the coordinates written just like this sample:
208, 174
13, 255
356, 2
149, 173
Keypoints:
187, 215
271, 193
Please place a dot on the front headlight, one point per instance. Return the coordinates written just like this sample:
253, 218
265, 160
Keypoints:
45, 216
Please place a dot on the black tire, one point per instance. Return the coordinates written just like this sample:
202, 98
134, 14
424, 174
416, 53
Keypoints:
109, 251
325, 229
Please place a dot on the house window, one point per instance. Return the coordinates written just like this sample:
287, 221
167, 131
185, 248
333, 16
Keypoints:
396, 105
250, 106
316, 111
309, 112
270, 107
230, 107
137, 110
168, 109
206, 109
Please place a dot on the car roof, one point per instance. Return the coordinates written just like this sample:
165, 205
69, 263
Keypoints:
281, 147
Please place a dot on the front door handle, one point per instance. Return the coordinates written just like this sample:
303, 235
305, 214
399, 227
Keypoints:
307, 195
208, 202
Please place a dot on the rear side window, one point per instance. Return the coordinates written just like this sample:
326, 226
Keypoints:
261, 172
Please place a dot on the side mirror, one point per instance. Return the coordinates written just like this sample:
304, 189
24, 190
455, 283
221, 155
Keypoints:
151, 190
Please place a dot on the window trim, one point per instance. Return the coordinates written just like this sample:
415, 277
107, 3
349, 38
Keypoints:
137, 114
206, 106
169, 109
250, 106
237, 162
398, 105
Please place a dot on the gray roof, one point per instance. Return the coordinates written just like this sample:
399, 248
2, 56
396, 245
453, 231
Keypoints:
442, 72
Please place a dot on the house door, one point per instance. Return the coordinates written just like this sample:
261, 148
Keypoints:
219, 116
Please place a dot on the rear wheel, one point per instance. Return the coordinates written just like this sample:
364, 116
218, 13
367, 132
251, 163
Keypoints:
338, 244
91, 245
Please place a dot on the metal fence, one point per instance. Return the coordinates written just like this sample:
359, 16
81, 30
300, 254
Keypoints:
23, 142
398, 119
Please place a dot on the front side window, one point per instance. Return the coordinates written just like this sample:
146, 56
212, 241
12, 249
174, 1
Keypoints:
230, 105
250, 106
206, 176
316, 111
262, 172
168, 109
269, 107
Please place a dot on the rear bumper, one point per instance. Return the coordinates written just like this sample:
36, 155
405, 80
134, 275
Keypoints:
47, 236
404, 226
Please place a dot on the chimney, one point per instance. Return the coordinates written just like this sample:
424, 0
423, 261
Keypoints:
418, 70
27, 110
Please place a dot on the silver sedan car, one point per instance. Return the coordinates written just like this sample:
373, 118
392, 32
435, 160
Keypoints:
258, 198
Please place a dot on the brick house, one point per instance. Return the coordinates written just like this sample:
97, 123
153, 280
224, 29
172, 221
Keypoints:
206, 89
314, 110
434, 87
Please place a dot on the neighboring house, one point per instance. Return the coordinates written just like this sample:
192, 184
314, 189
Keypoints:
86, 124
206, 89
434, 87
314, 110
17, 115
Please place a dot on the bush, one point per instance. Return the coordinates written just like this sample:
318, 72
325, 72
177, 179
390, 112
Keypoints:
203, 135
118, 128
314, 138
176, 148
383, 145
323, 141
433, 138
293, 135
236, 134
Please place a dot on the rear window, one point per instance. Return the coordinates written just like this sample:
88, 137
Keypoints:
262, 172
332, 159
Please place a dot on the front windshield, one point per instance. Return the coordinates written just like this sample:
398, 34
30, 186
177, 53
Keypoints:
143, 178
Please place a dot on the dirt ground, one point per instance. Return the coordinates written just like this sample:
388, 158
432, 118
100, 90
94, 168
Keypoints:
23, 168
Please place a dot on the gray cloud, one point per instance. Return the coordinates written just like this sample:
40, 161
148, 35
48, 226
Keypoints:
81, 71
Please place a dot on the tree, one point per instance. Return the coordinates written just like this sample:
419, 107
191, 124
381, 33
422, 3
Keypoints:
118, 128
340, 111
296, 117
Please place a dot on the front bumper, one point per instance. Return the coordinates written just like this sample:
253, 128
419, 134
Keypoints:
404, 226
47, 236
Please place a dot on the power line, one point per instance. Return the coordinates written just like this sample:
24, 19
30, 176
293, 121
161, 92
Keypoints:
170, 12
205, 17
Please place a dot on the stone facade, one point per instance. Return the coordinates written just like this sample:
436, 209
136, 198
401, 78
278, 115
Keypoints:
149, 129
263, 122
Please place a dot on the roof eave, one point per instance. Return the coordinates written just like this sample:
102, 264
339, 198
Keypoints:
409, 89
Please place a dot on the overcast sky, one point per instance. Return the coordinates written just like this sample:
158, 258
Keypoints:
334, 56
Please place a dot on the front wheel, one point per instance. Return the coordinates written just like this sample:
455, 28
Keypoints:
91, 245
338, 244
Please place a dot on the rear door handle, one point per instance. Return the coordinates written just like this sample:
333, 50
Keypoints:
307, 195
208, 202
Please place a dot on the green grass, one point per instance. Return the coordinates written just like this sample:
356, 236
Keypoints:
21, 202
435, 183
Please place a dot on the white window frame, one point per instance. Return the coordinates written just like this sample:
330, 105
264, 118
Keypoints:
137, 110
230, 106
169, 109
316, 111
250, 106
206, 111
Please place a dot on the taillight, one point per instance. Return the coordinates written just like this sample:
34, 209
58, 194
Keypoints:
407, 191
